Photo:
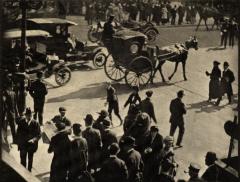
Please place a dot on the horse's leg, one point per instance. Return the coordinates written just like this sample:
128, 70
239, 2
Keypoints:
184, 70
175, 69
160, 71
198, 23
205, 21
154, 73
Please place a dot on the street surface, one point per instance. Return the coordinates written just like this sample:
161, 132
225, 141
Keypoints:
204, 131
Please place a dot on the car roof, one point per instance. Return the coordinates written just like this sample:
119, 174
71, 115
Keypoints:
126, 34
17, 33
52, 21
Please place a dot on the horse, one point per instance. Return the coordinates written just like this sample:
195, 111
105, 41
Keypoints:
178, 57
208, 12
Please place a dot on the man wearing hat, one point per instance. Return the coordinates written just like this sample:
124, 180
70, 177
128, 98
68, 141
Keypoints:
79, 153
212, 172
94, 143
28, 134
108, 32
132, 159
133, 98
226, 83
224, 33
193, 173
108, 138
61, 118
131, 118
38, 92
147, 106
214, 84
177, 109
112, 101
113, 169
103, 115
153, 147
60, 146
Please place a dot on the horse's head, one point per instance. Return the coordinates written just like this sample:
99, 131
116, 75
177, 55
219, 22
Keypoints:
192, 42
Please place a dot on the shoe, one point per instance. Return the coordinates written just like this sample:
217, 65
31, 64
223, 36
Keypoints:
179, 145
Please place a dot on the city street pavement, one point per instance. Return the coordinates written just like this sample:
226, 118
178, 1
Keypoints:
86, 93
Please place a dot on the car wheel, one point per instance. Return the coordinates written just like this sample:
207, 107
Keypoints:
63, 76
99, 59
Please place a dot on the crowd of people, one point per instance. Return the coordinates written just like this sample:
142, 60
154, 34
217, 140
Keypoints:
160, 12
96, 152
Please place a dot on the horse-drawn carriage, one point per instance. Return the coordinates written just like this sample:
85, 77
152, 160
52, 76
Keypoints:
131, 59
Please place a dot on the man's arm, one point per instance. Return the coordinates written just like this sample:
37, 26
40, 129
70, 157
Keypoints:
153, 113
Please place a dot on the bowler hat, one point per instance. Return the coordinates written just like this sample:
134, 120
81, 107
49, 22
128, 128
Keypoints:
225, 63
149, 93
103, 113
62, 109
77, 128
216, 62
194, 167
28, 111
128, 140
113, 148
88, 118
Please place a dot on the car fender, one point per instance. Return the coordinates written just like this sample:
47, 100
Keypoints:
98, 49
58, 66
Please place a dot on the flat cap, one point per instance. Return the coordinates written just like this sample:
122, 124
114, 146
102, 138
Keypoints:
103, 113
62, 109
216, 62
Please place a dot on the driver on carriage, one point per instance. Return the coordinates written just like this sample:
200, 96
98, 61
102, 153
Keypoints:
108, 32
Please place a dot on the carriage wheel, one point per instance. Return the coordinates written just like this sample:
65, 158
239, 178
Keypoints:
113, 70
140, 72
99, 59
151, 34
63, 76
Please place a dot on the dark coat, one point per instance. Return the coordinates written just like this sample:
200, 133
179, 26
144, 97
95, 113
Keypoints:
133, 99
28, 131
111, 95
226, 82
64, 120
155, 144
38, 90
134, 163
79, 157
147, 107
211, 174
214, 84
114, 170
60, 145
108, 31
177, 109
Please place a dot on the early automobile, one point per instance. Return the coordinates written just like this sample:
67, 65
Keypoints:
130, 58
64, 43
37, 58
95, 31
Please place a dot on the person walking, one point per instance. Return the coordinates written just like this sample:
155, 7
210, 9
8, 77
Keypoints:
132, 159
60, 145
10, 108
181, 13
113, 169
173, 15
212, 172
38, 92
226, 83
153, 147
94, 143
78, 154
224, 33
214, 84
177, 109
28, 135
232, 30
112, 101
147, 106
133, 98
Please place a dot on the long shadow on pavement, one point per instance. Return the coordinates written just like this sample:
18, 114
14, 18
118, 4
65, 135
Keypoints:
98, 90
215, 49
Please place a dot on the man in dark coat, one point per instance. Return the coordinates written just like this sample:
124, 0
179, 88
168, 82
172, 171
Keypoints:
181, 13
133, 98
232, 30
224, 33
38, 91
112, 101
147, 106
10, 108
61, 118
177, 109
108, 138
108, 32
103, 115
226, 83
214, 84
132, 158
131, 118
173, 14
60, 145
113, 169
152, 151
28, 134
212, 172
94, 142
79, 154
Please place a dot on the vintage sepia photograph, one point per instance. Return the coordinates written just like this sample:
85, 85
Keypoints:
119, 91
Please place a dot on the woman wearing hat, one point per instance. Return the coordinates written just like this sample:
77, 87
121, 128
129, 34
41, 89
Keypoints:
214, 84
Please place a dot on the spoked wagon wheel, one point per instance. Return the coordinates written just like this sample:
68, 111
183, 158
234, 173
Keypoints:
140, 72
113, 70
63, 76
99, 59
151, 35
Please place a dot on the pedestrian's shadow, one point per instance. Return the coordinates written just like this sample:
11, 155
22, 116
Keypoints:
215, 49
44, 177
205, 106
81, 67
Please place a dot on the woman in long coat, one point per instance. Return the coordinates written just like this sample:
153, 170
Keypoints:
214, 84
